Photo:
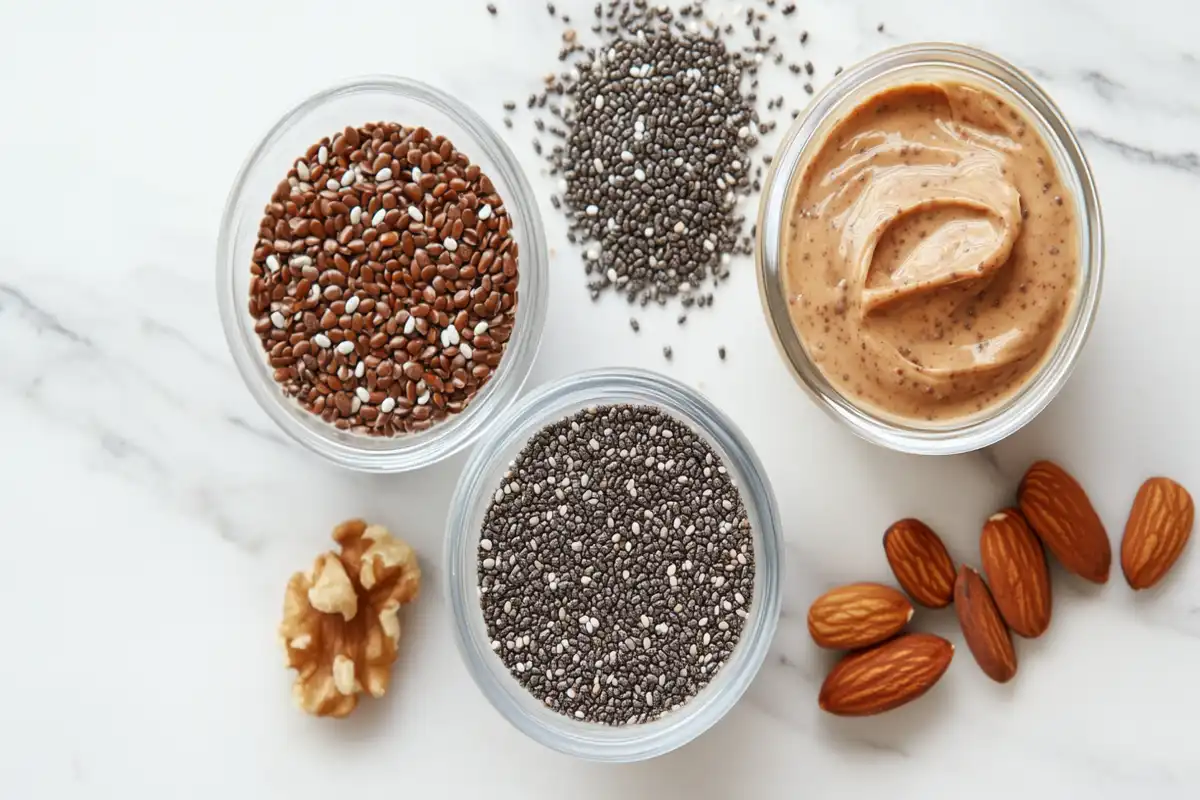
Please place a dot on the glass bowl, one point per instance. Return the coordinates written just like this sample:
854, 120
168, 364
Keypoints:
898, 66
355, 102
483, 474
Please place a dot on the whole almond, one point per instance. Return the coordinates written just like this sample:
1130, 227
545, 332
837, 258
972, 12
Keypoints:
920, 562
1159, 526
1016, 570
982, 626
858, 615
885, 676
1063, 518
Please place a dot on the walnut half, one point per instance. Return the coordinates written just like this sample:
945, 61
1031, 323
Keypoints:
341, 620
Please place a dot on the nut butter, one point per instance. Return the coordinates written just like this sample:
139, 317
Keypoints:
930, 252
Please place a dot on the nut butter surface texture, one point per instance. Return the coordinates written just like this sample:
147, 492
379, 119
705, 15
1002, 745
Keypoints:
931, 252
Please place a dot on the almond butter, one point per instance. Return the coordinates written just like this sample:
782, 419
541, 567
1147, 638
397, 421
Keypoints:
1159, 526
885, 676
1063, 518
920, 562
982, 626
1016, 570
858, 615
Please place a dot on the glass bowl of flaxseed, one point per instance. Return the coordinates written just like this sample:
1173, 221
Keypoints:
382, 274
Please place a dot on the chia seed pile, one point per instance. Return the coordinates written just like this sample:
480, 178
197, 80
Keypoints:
655, 140
616, 565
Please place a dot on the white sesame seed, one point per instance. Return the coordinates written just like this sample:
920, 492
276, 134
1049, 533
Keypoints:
362, 394
321, 340
346, 347
386, 407
466, 350
481, 327
332, 185
485, 211
360, 369
323, 155
349, 178
423, 399
415, 214
352, 304
377, 219
450, 244
416, 174
410, 325
356, 215
383, 175
302, 170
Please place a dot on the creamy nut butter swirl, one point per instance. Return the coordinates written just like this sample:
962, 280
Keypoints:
931, 253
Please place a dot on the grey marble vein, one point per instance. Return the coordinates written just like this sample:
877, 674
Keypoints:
1187, 161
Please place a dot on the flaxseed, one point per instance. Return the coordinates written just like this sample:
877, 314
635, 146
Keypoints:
384, 282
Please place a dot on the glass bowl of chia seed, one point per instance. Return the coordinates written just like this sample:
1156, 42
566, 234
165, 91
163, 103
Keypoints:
367, 271
614, 564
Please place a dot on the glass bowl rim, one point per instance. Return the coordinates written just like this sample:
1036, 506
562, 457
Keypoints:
412, 451
545, 405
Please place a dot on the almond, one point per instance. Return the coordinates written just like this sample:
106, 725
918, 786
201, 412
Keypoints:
920, 562
1160, 524
858, 615
1062, 516
1016, 570
886, 676
982, 626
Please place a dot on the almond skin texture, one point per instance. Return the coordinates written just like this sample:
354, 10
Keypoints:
1016, 570
920, 562
1061, 515
982, 626
1159, 526
858, 615
886, 676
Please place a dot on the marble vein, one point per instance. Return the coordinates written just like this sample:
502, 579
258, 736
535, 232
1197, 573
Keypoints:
1187, 162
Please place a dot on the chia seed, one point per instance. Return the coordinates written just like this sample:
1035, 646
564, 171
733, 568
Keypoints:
656, 152
616, 565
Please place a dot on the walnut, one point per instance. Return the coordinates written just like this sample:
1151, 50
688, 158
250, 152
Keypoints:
341, 620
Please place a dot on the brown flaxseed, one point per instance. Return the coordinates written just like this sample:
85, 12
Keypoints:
384, 282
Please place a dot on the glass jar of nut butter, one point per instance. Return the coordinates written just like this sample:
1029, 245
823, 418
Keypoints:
930, 249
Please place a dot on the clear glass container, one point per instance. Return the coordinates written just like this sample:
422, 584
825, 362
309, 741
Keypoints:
896, 67
483, 474
355, 102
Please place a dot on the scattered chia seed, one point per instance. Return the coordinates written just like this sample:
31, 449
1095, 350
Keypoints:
633, 323
721, 352
657, 142
667, 352
616, 565
491, 9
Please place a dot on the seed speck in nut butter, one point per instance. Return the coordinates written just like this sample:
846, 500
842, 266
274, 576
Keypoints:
931, 254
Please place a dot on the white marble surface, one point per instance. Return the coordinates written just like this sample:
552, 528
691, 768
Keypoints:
152, 514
